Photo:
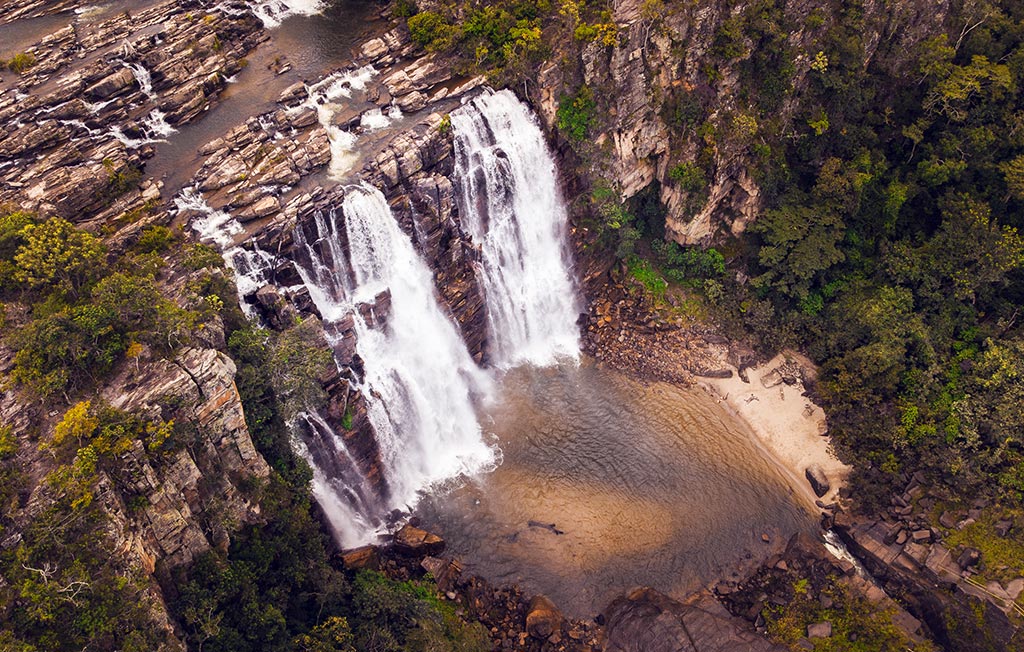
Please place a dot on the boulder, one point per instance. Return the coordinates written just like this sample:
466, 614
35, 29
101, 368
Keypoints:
818, 480
819, 630
969, 558
543, 618
949, 519
445, 572
648, 621
111, 85
921, 536
363, 557
414, 542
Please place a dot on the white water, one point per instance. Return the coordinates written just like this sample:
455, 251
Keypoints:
349, 510
511, 205
219, 228
274, 12
324, 96
142, 76
215, 227
375, 119
154, 127
420, 382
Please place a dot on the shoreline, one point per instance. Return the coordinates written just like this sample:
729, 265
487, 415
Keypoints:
789, 426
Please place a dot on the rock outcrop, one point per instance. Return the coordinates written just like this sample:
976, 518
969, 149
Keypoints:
205, 477
937, 585
77, 127
666, 53
647, 621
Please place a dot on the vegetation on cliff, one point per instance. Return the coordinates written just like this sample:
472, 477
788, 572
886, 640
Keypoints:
888, 242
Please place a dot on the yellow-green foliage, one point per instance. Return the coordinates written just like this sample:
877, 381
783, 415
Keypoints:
604, 31
56, 254
19, 63
95, 436
8, 443
1002, 558
857, 624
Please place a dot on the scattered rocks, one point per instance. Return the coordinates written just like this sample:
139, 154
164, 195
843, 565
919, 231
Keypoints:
1003, 528
969, 558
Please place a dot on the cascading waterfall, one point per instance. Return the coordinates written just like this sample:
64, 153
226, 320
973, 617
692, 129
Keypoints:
251, 267
323, 96
273, 12
143, 77
154, 127
511, 206
342, 492
420, 382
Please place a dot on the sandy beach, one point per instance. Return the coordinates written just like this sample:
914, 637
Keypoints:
787, 424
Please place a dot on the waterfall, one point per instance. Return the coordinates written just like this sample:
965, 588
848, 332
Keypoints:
511, 206
420, 383
250, 267
338, 487
323, 96
274, 12
142, 77
154, 127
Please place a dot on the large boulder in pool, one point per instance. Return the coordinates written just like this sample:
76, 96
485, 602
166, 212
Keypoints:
648, 621
414, 542
818, 479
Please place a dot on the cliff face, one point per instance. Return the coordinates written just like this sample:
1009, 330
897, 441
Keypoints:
671, 92
191, 497
161, 510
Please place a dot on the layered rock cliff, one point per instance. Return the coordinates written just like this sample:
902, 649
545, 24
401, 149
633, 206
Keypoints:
682, 86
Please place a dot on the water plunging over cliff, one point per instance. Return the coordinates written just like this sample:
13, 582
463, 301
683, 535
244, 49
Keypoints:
420, 382
510, 204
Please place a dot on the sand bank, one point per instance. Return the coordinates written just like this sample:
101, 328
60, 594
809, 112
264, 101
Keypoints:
787, 424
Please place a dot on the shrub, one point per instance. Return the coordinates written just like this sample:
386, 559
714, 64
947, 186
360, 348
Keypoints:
432, 30
154, 239
689, 177
57, 255
200, 256
404, 9
19, 63
685, 263
576, 114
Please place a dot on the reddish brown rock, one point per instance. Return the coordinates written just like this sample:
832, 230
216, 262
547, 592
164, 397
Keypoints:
414, 542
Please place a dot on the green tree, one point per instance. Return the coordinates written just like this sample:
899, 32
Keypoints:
299, 358
332, 635
800, 243
56, 254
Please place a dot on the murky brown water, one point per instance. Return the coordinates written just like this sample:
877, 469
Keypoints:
651, 485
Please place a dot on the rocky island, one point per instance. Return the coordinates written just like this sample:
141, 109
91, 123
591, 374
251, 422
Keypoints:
624, 326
